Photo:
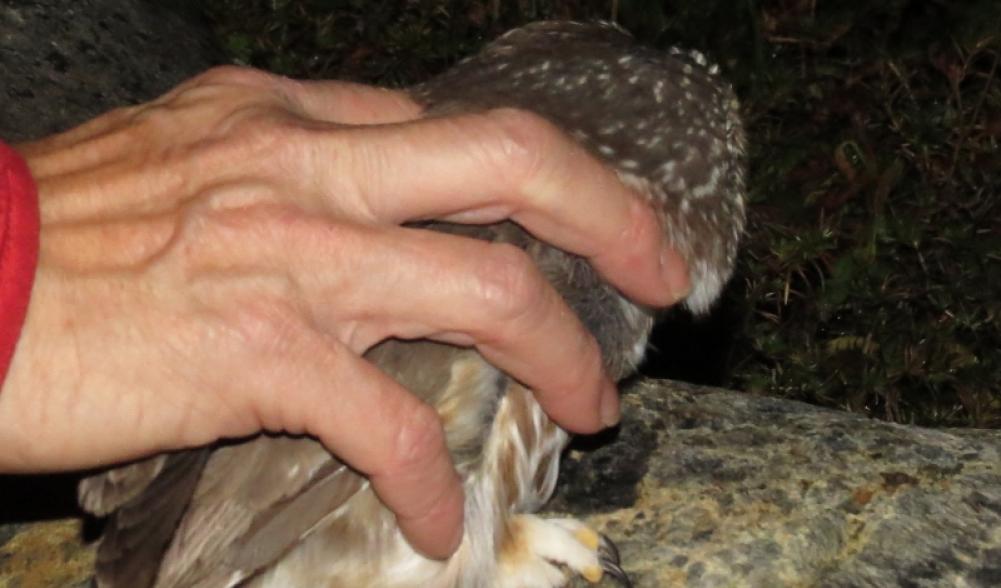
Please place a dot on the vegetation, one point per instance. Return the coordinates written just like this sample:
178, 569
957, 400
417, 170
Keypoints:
871, 275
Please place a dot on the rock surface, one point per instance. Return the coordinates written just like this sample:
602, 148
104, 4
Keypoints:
703, 487
708, 487
64, 61
44, 555
699, 487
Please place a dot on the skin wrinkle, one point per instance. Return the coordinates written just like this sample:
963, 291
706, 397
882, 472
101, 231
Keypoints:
491, 143
337, 242
637, 232
212, 332
522, 143
375, 198
418, 444
276, 414
490, 328
357, 191
264, 332
507, 286
76, 364
520, 315
532, 176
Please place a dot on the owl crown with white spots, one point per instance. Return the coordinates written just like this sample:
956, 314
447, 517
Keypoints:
664, 120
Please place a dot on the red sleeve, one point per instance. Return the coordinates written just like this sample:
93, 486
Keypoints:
18, 249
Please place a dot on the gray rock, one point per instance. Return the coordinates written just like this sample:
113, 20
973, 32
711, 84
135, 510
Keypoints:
704, 487
64, 61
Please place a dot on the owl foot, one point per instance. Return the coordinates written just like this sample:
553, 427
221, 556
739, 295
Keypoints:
538, 553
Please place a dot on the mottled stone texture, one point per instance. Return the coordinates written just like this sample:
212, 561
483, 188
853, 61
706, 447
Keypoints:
699, 487
707, 487
65, 61
44, 555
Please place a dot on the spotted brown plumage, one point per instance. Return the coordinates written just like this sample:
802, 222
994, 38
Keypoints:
282, 511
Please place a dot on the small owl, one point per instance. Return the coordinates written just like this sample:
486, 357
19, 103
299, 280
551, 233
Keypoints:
282, 511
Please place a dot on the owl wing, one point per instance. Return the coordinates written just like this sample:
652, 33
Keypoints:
133, 541
215, 517
254, 501
105, 492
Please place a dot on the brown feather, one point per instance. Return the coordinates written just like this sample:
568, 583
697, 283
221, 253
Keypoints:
134, 542
102, 493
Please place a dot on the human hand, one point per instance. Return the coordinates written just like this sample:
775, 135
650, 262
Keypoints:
215, 262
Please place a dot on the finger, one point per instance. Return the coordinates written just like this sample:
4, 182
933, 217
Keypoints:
502, 164
106, 137
489, 295
411, 283
319, 387
353, 104
325, 100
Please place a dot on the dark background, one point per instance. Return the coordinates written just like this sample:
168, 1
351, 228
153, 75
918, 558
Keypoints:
871, 271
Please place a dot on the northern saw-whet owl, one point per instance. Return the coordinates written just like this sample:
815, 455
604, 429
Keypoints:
282, 511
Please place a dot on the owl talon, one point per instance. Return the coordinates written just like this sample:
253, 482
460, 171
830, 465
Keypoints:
607, 551
608, 556
542, 552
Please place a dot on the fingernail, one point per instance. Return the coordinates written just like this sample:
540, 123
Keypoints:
675, 274
610, 414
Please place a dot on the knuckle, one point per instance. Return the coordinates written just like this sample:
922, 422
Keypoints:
640, 227
262, 328
508, 283
223, 227
239, 199
641, 236
152, 120
420, 440
231, 74
203, 231
228, 107
258, 128
521, 140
